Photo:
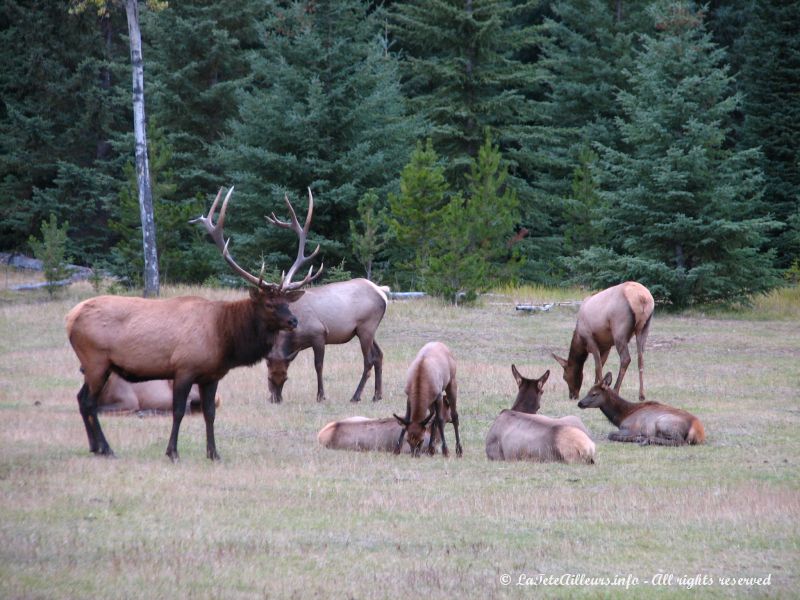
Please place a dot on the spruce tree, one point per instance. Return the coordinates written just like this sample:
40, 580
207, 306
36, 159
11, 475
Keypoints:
323, 110
770, 47
682, 205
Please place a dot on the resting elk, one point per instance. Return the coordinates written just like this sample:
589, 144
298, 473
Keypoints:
609, 318
120, 396
431, 390
331, 314
643, 423
518, 434
361, 433
188, 339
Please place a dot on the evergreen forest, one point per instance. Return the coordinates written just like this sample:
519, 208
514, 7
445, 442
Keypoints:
450, 145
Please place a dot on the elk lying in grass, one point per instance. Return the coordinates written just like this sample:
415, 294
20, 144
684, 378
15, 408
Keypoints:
644, 423
522, 435
331, 314
361, 433
188, 339
120, 397
431, 392
609, 318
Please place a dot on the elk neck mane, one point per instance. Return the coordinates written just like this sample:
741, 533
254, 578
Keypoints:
245, 338
577, 350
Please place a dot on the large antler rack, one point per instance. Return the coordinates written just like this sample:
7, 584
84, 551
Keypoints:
286, 278
216, 233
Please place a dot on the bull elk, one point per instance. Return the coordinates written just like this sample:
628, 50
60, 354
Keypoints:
188, 339
518, 434
609, 318
361, 433
643, 423
431, 393
331, 314
120, 396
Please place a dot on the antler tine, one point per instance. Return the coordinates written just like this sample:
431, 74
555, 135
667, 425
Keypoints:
216, 233
294, 225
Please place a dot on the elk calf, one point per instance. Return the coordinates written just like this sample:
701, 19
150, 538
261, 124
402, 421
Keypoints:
331, 314
521, 435
605, 320
644, 423
431, 392
361, 433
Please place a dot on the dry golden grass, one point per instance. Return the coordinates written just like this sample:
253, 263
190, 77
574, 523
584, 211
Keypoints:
280, 517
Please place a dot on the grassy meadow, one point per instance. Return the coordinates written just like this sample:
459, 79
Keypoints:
281, 517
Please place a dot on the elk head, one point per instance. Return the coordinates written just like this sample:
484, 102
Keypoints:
529, 392
596, 395
573, 375
415, 432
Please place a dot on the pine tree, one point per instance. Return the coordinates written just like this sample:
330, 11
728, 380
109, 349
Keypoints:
681, 204
324, 111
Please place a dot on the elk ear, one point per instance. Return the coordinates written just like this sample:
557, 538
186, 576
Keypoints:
401, 420
293, 295
293, 355
607, 379
560, 361
517, 376
542, 380
428, 418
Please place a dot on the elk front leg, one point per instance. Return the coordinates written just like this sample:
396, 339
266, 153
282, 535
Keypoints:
180, 392
319, 359
208, 393
625, 435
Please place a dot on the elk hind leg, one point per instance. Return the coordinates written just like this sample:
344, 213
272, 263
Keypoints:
641, 340
87, 403
451, 399
376, 357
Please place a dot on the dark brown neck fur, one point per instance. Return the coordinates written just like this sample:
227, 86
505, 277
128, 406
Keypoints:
577, 351
617, 409
244, 336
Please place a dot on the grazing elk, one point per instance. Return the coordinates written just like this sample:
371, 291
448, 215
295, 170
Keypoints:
187, 339
120, 396
361, 433
519, 434
609, 318
331, 314
431, 390
644, 423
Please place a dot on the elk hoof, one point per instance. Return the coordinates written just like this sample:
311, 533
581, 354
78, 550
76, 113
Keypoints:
355, 399
445, 452
377, 398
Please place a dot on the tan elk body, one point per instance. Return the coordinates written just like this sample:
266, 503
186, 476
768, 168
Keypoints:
643, 422
364, 434
188, 339
155, 396
331, 314
518, 434
606, 320
431, 393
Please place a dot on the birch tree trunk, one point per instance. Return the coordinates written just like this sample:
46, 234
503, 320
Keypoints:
151, 284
